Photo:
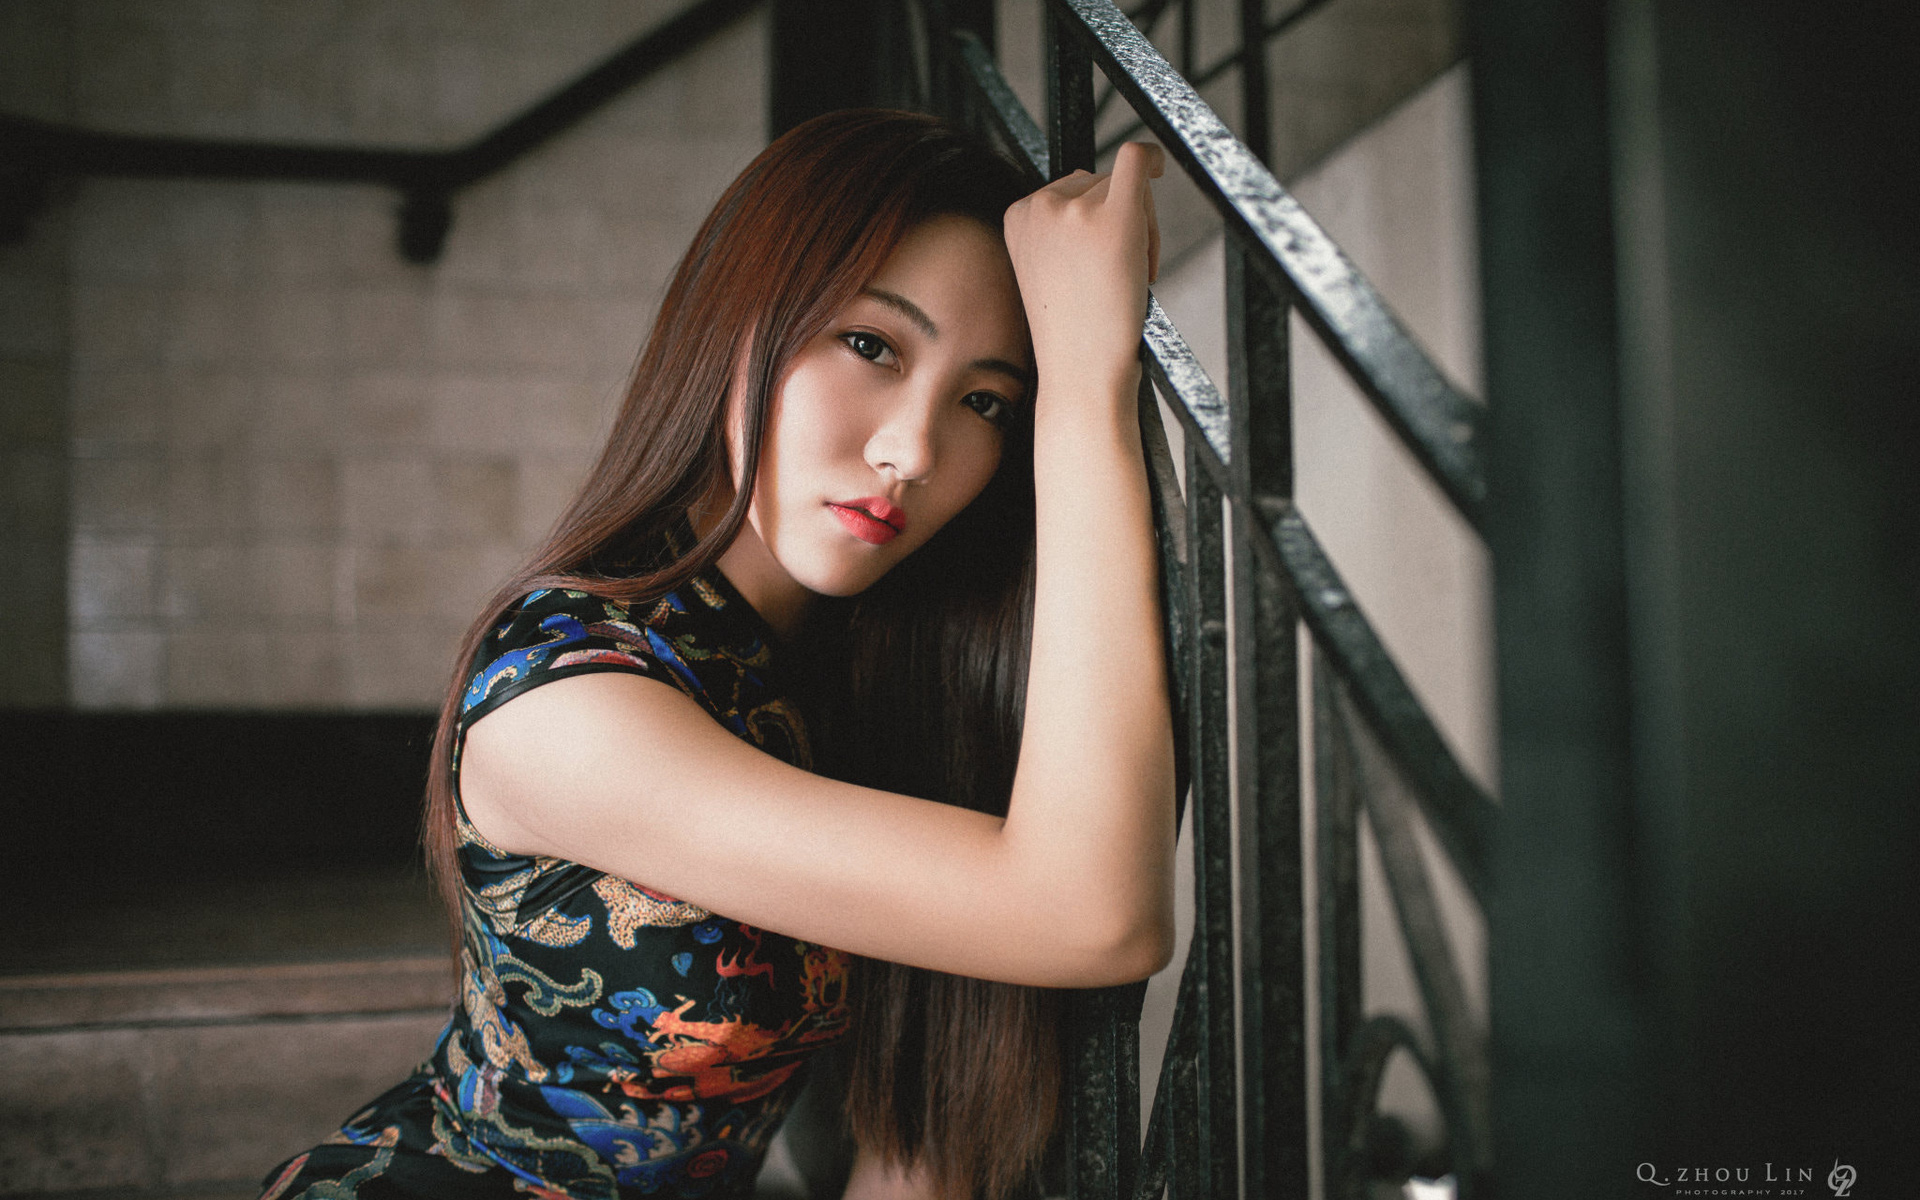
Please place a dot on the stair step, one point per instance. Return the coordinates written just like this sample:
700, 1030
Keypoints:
207, 995
192, 1082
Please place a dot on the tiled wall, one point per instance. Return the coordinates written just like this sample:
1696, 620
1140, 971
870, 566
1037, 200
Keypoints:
298, 462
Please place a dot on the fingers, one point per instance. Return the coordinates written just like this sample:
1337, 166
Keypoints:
1153, 241
1136, 163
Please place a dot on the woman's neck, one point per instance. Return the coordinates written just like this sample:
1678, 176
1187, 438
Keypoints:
754, 572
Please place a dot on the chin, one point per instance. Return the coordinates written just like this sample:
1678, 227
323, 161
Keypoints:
834, 575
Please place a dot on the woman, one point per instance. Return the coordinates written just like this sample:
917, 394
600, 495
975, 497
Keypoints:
843, 374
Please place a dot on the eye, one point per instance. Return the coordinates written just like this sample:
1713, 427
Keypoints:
869, 346
989, 405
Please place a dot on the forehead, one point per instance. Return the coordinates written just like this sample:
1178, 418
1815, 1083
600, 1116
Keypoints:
956, 270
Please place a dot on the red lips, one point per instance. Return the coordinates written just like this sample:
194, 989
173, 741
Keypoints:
870, 518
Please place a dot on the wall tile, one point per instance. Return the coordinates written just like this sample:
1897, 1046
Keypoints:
117, 323
214, 230
216, 664
299, 325
118, 495
384, 408
208, 325
475, 500
309, 668
122, 667
300, 230
208, 493
295, 579
298, 411
33, 397
280, 426
112, 577
35, 66
295, 495
404, 663
31, 317
209, 580
115, 409
387, 501
120, 68
545, 484
302, 91
120, 230
213, 78
383, 326
210, 408
34, 489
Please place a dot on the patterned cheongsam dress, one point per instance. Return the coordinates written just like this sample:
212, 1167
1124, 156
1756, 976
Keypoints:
609, 1040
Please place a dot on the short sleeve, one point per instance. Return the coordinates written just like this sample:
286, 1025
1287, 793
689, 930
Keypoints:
550, 635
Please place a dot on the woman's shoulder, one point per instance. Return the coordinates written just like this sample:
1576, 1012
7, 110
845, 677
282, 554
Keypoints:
555, 632
700, 637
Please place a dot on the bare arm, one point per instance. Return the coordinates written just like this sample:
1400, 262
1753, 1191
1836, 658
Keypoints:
1074, 887
874, 1178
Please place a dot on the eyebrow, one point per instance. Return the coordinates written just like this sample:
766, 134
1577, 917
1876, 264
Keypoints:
913, 312
905, 308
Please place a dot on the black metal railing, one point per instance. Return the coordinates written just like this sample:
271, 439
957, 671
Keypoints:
32, 152
1234, 1108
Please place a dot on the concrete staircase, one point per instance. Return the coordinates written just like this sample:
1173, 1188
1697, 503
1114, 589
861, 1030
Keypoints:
181, 1049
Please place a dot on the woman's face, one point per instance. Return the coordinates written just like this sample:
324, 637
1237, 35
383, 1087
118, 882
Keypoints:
888, 423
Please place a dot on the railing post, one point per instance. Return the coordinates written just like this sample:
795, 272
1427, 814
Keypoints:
1103, 1092
1069, 78
1337, 911
1214, 1169
1267, 716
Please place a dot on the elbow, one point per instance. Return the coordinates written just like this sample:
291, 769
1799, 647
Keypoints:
1133, 951
1149, 949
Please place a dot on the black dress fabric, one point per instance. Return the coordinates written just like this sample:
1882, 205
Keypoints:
610, 1041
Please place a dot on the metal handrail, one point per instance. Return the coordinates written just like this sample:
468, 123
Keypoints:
1275, 251
1439, 424
1215, 69
426, 178
1461, 811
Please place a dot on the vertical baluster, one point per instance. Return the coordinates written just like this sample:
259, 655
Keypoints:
1069, 79
1103, 1097
1267, 714
1215, 1171
1337, 851
1253, 78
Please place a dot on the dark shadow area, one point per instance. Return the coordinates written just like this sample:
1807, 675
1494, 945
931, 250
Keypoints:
174, 839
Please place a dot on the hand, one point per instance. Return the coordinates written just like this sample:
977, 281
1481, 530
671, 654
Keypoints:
1084, 249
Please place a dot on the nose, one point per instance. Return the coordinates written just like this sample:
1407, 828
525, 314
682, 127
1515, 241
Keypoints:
903, 445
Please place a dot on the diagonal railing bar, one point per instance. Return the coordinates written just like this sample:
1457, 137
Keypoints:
1008, 115
1220, 66
1179, 1076
1440, 425
75, 151
1201, 410
1294, 577
1144, 19
1364, 1068
1462, 814
36, 150
1460, 810
1459, 1044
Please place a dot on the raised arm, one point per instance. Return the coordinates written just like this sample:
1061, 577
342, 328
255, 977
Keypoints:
1074, 886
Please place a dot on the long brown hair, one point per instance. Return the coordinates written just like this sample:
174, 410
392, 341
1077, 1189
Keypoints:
959, 1076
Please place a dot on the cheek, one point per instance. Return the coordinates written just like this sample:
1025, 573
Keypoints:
976, 456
